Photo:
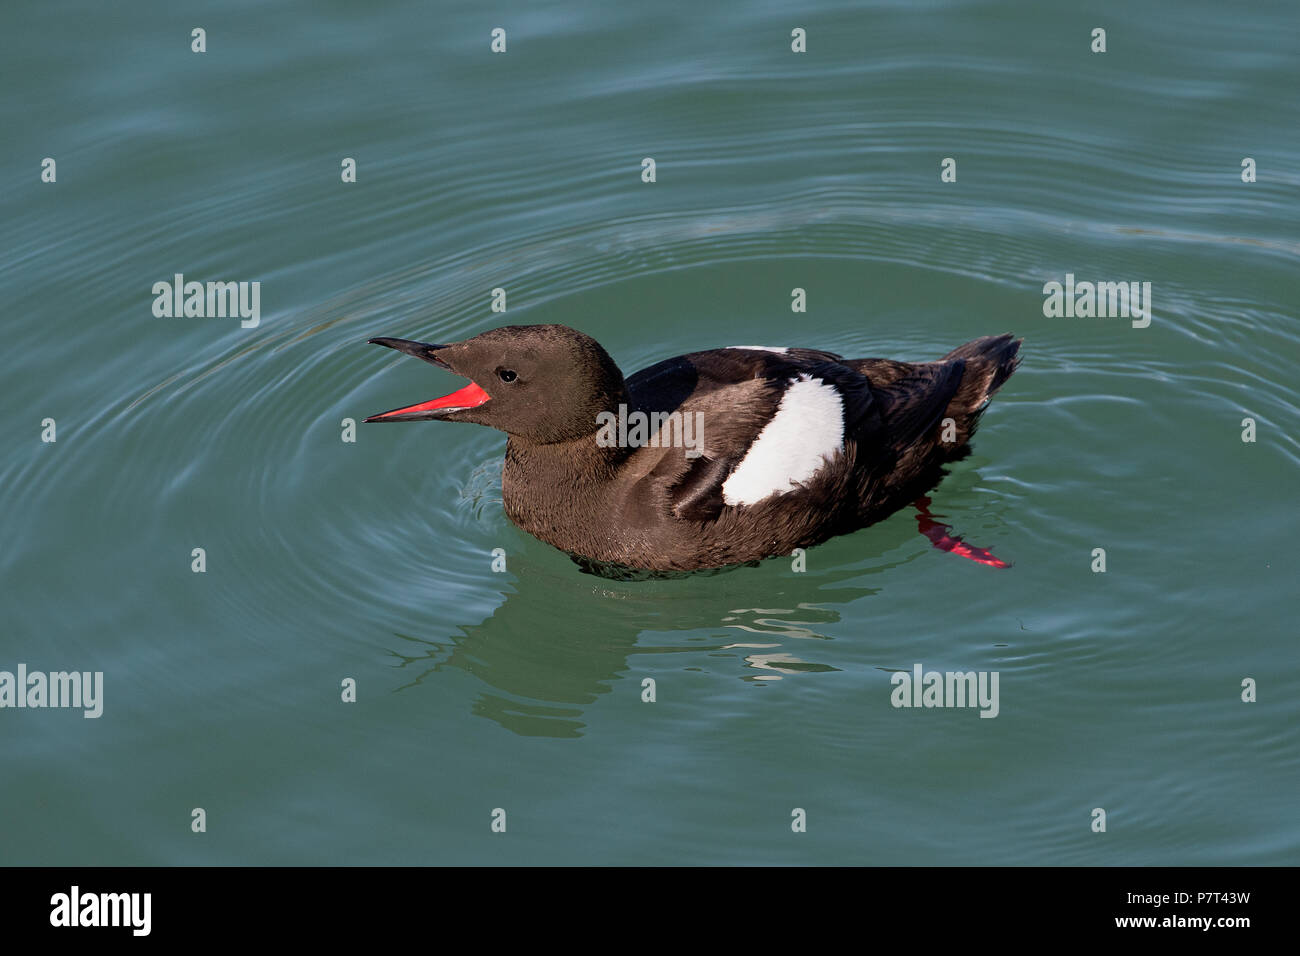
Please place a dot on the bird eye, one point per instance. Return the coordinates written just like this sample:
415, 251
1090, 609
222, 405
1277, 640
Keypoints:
506, 375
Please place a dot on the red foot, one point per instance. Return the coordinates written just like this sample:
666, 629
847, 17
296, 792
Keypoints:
941, 539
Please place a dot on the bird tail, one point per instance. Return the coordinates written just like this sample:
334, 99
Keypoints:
989, 363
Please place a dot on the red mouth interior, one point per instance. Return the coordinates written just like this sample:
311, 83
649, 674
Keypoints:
471, 396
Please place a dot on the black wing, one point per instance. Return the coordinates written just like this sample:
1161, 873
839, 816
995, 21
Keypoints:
735, 393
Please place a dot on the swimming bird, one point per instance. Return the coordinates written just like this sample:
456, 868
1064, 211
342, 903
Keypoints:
713, 458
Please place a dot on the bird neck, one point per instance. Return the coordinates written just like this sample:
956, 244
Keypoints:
548, 486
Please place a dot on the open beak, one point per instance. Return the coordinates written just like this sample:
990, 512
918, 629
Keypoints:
471, 396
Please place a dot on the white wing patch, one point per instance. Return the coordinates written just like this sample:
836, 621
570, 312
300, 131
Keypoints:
807, 430
759, 348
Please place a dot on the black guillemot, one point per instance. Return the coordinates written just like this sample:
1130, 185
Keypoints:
714, 458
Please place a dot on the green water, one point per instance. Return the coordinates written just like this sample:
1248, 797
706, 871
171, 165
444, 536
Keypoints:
522, 690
